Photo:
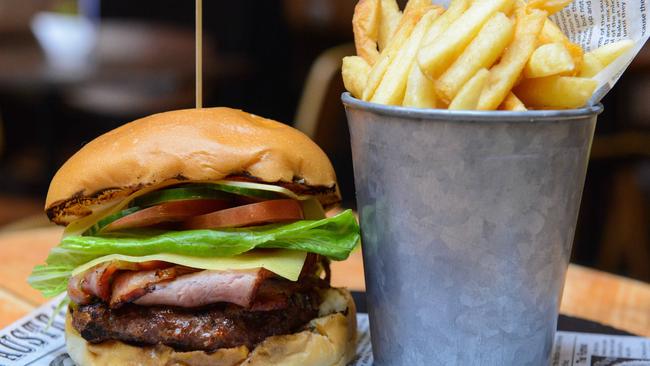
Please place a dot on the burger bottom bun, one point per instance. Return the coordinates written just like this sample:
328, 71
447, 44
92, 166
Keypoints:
329, 340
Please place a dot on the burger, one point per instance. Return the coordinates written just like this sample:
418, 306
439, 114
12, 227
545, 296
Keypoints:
199, 237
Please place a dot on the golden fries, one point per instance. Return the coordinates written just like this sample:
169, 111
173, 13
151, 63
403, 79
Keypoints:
608, 53
365, 24
599, 58
468, 96
555, 92
552, 34
389, 15
437, 56
590, 66
549, 59
391, 89
375, 76
355, 74
512, 103
477, 54
408, 21
420, 91
482, 52
504, 74
456, 9
549, 6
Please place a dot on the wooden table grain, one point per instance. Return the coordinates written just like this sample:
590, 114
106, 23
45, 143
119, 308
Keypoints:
613, 300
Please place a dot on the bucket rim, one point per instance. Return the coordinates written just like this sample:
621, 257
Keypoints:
470, 116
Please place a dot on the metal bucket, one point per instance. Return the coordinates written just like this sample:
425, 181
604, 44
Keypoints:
467, 222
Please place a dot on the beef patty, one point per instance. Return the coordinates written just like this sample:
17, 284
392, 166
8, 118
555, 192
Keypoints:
208, 329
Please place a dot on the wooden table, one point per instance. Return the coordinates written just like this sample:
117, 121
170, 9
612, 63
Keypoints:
620, 302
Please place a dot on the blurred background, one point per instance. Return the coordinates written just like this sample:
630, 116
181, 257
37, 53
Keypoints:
71, 70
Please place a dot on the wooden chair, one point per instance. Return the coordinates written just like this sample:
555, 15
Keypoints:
321, 115
324, 77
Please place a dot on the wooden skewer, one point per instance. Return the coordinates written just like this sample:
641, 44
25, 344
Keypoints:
199, 53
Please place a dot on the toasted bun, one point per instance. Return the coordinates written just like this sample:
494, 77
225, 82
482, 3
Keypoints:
187, 145
329, 340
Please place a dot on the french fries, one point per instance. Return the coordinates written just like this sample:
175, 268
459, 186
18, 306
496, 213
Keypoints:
355, 74
549, 6
477, 54
608, 53
436, 57
482, 52
512, 103
551, 33
390, 15
408, 21
591, 66
468, 96
376, 74
456, 9
365, 24
601, 57
504, 74
420, 91
391, 89
556, 91
549, 59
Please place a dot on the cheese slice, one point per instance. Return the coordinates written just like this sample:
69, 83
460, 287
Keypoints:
283, 262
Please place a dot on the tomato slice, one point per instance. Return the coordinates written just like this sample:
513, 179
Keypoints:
259, 213
173, 211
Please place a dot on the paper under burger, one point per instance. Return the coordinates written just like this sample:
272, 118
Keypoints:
199, 237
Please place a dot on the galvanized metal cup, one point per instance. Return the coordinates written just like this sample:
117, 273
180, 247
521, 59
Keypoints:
467, 223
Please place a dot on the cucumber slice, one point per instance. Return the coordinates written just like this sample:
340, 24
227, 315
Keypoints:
101, 224
281, 191
178, 194
244, 191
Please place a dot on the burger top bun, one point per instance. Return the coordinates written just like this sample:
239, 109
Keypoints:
329, 340
188, 145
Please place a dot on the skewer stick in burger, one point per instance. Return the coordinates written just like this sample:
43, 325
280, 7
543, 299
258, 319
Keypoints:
198, 237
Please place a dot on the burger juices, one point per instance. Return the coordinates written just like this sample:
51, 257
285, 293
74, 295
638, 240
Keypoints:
199, 236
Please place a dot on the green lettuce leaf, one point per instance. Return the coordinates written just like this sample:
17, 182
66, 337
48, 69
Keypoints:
333, 237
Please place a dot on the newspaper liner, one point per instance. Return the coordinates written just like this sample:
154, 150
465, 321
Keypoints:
592, 24
29, 341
